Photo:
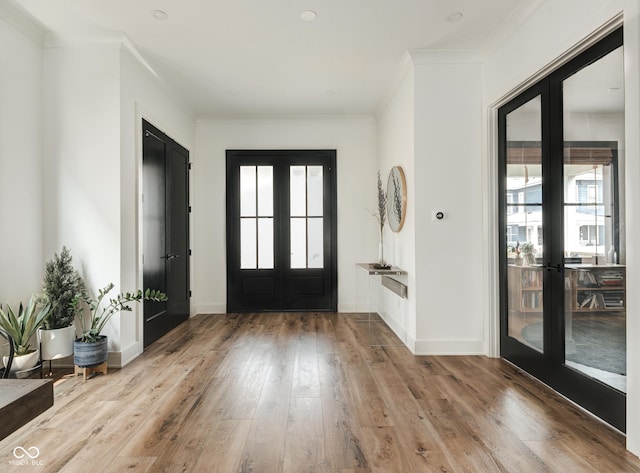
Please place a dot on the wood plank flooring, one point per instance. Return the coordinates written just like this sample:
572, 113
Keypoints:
302, 393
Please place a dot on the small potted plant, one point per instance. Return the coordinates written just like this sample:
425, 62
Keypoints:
22, 326
529, 253
61, 284
381, 216
90, 349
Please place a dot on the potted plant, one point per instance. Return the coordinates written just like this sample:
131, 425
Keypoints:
381, 217
90, 349
529, 253
61, 285
22, 326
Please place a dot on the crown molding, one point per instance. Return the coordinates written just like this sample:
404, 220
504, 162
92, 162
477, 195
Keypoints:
400, 74
129, 46
272, 119
22, 22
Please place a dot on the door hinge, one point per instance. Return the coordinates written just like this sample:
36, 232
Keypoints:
189, 293
189, 166
189, 251
189, 209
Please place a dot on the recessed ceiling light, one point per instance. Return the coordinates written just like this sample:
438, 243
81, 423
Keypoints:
331, 92
159, 14
457, 16
308, 15
233, 92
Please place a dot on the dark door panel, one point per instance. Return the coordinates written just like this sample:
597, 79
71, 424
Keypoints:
166, 231
154, 222
289, 196
177, 257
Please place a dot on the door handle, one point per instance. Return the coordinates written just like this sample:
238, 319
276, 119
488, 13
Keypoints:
169, 256
553, 267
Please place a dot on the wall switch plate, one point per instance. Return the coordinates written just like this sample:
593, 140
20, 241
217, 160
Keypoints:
437, 215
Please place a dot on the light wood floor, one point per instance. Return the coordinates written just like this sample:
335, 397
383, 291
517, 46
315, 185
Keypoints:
304, 393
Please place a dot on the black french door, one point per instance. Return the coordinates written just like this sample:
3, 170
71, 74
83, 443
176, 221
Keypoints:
562, 251
281, 230
166, 253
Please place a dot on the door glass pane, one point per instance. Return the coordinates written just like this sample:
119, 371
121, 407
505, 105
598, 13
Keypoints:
595, 314
298, 191
248, 247
298, 243
247, 191
316, 241
314, 191
265, 191
524, 224
265, 243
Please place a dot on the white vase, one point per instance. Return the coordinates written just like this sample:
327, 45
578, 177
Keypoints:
22, 362
56, 343
381, 262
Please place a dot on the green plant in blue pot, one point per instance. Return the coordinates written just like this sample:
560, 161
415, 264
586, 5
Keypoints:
90, 349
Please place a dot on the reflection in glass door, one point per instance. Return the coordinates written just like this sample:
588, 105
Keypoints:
595, 314
562, 258
524, 224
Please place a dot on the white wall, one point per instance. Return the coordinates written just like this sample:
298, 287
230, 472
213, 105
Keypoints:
82, 160
141, 96
21, 194
81, 151
354, 138
433, 128
448, 169
396, 148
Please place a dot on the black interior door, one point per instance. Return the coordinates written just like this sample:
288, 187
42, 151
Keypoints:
561, 253
166, 231
281, 230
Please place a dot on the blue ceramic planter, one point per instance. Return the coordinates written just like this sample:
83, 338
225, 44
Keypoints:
90, 353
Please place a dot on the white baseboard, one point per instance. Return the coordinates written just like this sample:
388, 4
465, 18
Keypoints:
114, 359
128, 354
411, 344
211, 309
353, 307
448, 347
395, 326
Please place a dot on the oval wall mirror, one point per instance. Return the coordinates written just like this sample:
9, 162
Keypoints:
396, 198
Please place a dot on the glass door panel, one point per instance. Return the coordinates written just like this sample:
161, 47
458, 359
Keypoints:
307, 216
593, 134
256, 217
523, 221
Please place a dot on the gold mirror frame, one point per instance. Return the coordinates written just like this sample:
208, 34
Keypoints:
396, 198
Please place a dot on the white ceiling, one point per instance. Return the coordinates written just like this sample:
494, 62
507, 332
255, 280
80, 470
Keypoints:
257, 57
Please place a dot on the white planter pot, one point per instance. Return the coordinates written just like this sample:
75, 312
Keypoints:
22, 362
56, 343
